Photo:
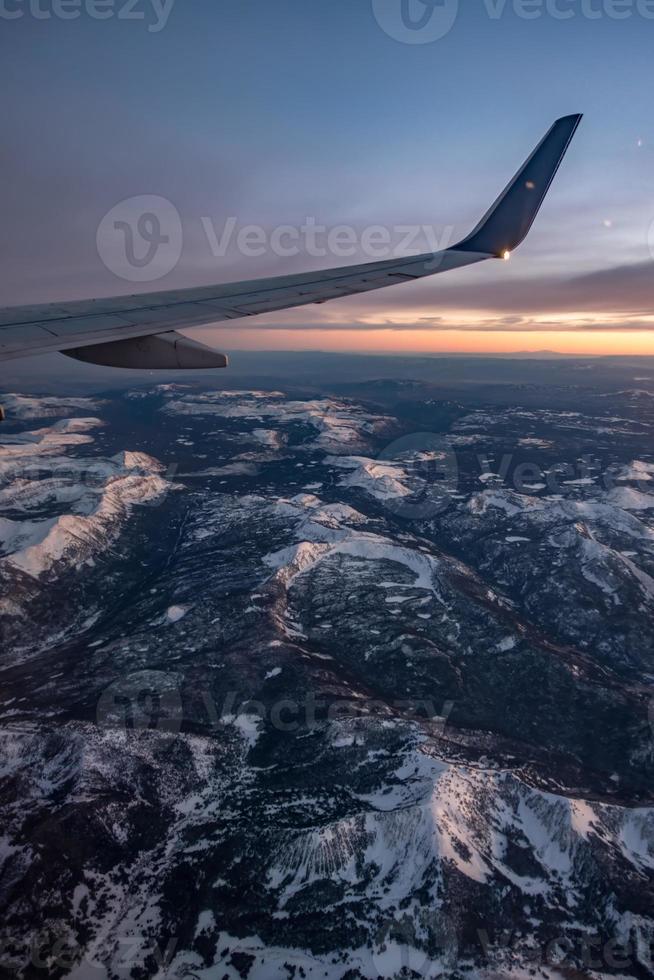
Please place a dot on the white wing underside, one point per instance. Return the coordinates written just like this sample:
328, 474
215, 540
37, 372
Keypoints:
71, 327
62, 326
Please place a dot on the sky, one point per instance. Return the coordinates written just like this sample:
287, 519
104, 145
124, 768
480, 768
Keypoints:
272, 136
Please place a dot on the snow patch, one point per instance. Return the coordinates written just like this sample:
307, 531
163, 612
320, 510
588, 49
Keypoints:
175, 613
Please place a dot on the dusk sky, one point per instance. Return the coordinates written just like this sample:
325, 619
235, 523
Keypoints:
269, 112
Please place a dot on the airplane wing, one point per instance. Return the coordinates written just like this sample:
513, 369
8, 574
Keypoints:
140, 331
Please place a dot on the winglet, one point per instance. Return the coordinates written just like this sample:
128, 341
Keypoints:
507, 223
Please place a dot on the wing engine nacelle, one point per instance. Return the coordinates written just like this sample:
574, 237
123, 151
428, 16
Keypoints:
162, 351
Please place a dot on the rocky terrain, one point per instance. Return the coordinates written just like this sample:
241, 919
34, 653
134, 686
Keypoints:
296, 684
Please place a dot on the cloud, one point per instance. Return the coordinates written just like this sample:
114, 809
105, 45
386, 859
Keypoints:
610, 300
619, 291
486, 326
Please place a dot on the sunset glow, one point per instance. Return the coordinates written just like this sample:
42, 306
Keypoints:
455, 331
434, 341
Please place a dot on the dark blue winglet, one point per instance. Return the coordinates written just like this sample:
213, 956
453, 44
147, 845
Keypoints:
507, 223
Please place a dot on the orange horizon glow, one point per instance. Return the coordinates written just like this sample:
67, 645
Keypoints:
402, 338
439, 342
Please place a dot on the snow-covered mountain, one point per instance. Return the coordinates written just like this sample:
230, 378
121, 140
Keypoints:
354, 701
63, 512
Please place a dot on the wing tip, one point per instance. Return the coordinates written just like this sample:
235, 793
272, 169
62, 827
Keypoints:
509, 220
571, 122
